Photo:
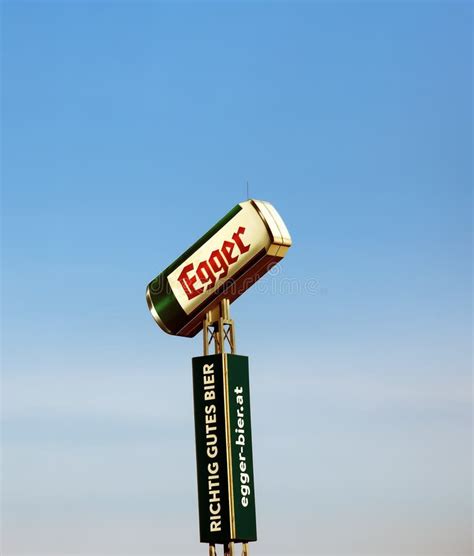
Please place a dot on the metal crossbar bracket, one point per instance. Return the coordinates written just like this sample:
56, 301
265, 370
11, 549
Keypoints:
218, 328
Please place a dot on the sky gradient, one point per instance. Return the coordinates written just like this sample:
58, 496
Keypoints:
128, 129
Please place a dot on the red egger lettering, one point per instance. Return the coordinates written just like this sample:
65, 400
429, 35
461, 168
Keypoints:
209, 271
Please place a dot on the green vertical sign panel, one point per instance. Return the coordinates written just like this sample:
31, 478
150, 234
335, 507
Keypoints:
226, 490
211, 449
241, 447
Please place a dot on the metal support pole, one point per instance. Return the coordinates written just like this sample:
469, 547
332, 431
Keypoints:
218, 329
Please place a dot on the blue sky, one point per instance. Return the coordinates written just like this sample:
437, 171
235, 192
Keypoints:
128, 130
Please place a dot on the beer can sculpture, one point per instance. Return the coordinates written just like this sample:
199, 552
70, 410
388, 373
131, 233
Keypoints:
223, 263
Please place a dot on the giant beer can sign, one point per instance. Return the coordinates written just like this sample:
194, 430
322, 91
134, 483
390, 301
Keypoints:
223, 263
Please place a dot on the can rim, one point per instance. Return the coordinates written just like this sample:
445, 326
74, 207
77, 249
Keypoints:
154, 312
